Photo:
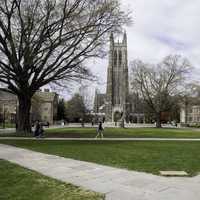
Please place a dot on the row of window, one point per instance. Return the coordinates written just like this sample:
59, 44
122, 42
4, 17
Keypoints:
194, 110
194, 118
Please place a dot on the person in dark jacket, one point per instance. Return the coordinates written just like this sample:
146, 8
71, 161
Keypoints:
100, 130
41, 130
37, 128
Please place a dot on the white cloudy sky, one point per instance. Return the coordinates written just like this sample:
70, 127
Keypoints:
160, 28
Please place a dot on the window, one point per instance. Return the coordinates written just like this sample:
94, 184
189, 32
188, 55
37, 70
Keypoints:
190, 119
190, 110
194, 110
115, 57
120, 58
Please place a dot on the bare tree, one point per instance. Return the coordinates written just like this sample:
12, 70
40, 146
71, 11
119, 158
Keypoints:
156, 84
44, 41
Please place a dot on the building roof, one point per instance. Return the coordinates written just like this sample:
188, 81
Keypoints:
46, 96
6, 96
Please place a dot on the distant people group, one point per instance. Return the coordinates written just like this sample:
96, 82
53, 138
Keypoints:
39, 130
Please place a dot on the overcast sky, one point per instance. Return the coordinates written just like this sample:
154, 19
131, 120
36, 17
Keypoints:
160, 28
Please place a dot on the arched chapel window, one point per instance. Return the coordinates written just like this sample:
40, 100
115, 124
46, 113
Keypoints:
120, 58
115, 57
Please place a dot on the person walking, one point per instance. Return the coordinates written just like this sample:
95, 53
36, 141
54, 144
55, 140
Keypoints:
100, 130
37, 128
92, 122
82, 122
41, 130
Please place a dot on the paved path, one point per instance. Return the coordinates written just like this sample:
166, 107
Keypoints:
117, 184
104, 139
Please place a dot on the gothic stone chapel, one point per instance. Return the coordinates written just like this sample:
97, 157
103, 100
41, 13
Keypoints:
117, 104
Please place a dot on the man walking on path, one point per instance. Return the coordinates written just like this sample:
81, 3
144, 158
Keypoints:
99, 130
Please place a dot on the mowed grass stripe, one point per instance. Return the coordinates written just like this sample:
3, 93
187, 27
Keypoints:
124, 133
143, 156
118, 133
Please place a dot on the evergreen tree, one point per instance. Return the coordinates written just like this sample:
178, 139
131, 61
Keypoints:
75, 109
61, 110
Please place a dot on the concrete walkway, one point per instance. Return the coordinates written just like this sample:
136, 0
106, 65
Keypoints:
104, 139
117, 184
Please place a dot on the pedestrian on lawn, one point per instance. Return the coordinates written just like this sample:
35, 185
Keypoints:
37, 128
100, 130
41, 130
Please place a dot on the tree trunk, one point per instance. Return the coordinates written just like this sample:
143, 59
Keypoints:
23, 120
158, 120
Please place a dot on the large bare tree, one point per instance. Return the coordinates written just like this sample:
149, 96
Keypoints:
156, 84
43, 41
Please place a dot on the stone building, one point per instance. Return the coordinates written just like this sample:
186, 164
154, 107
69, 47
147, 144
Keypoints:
43, 108
190, 111
118, 103
8, 106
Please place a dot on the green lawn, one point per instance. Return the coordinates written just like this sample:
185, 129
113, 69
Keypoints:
119, 133
127, 132
8, 125
17, 183
134, 155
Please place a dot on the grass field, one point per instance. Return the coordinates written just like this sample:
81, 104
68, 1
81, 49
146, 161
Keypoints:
17, 183
7, 125
119, 133
134, 155
127, 132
